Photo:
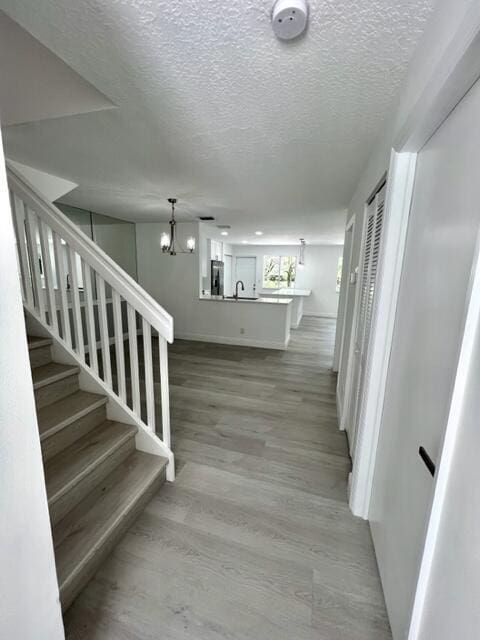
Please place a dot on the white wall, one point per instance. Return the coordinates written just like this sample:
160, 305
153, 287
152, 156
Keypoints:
30, 607
175, 283
172, 280
319, 273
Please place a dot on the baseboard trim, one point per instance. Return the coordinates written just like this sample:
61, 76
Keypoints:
320, 314
239, 342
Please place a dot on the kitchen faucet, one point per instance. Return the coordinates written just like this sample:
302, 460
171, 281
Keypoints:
236, 288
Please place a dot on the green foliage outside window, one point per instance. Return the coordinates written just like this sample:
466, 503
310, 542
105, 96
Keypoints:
279, 272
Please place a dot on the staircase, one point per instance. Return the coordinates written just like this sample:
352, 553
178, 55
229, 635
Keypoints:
97, 482
76, 294
102, 398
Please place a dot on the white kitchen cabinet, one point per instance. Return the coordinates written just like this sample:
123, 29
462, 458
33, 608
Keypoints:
216, 250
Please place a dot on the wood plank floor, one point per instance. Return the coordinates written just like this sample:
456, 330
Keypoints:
254, 540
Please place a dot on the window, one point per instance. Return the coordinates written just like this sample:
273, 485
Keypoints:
339, 273
279, 271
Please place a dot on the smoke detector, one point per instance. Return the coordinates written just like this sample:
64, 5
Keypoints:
289, 18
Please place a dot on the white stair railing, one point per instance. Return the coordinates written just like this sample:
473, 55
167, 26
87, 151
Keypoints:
88, 303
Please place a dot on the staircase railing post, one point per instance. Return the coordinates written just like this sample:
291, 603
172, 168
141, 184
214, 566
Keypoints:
164, 388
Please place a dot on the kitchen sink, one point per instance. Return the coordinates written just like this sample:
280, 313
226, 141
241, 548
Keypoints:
239, 298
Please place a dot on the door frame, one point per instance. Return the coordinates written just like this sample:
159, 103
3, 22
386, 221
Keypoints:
256, 266
346, 273
400, 181
450, 79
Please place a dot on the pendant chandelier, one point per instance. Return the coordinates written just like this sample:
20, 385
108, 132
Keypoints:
301, 258
169, 243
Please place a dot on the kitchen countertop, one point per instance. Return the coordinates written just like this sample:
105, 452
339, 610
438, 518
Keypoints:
259, 300
292, 293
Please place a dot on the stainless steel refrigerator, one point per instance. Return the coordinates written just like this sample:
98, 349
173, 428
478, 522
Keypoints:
216, 278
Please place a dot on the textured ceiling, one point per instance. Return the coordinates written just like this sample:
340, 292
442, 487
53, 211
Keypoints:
213, 109
35, 83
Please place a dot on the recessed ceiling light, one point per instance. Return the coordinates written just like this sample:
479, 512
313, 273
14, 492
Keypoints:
244, 241
224, 233
259, 233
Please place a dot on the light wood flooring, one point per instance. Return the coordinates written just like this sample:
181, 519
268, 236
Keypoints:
254, 540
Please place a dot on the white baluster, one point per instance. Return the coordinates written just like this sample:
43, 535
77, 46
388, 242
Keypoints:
133, 351
164, 386
48, 274
76, 309
149, 390
62, 288
119, 353
31, 232
89, 317
19, 226
104, 337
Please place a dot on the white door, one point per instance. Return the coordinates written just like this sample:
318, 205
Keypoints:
227, 276
429, 323
246, 271
367, 282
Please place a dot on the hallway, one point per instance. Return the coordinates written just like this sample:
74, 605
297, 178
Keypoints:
255, 540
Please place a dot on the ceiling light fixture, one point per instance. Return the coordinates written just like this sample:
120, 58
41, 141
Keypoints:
301, 257
224, 233
259, 233
169, 243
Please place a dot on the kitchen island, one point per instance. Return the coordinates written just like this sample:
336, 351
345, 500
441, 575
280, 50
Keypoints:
260, 322
296, 295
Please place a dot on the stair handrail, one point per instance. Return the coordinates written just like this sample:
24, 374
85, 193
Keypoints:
112, 273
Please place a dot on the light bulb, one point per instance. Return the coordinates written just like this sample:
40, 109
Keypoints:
164, 241
191, 244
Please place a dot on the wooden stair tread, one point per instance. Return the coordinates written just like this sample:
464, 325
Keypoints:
35, 342
52, 372
57, 415
97, 482
84, 535
73, 464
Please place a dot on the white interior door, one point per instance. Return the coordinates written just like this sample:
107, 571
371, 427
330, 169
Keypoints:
246, 271
429, 325
227, 280
368, 278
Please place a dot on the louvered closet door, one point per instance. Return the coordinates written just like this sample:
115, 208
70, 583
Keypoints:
368, 279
